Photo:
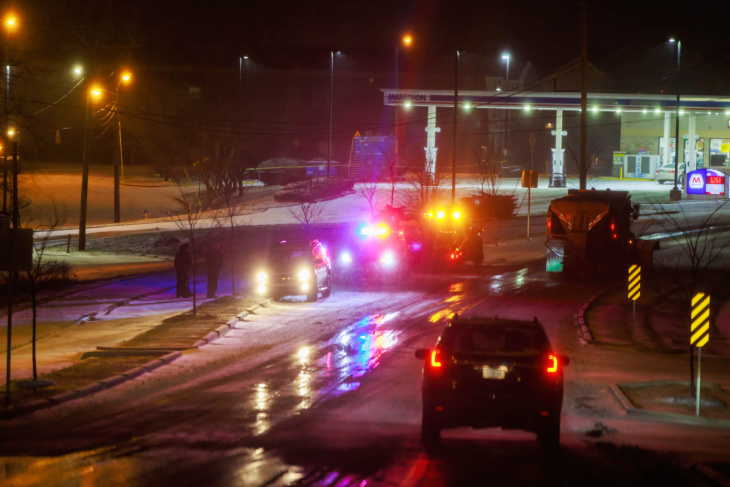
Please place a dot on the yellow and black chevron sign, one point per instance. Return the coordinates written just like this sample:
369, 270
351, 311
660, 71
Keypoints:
700, 329
634, 282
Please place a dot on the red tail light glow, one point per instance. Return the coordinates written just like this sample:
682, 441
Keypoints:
436, 358
552, 364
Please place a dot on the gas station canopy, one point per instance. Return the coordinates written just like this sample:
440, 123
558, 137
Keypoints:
597, 102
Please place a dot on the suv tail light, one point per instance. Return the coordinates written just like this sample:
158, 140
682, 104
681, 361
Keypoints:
552, 364
436, 358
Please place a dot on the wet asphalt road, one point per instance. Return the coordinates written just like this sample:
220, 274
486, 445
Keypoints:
281, 401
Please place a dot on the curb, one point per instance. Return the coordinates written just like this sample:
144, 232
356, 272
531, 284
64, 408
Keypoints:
663, 417
223, 329
124, 377
88, 389
585, 330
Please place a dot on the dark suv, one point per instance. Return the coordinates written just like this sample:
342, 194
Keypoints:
295, 267
487, 372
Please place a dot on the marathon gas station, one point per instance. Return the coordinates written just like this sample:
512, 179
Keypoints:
648, 129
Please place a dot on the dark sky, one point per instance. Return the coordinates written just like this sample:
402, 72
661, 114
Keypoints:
622, 34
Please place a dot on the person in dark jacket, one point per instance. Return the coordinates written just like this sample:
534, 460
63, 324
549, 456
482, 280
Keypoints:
183, 264
214, 262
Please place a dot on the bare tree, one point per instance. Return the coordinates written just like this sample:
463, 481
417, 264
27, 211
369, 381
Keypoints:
308, 210
368, 191
232, 209
424, 189
391, 162
42, 272
488, 172
196, 227
593, 150
699, 248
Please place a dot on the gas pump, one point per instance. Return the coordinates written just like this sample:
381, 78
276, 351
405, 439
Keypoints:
557, 176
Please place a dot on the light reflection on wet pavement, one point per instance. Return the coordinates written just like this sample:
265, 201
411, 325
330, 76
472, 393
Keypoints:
325, 370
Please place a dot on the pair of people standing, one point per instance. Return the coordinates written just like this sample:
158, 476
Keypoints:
184, 264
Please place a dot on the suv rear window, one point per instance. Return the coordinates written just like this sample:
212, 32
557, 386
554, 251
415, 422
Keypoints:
494, 339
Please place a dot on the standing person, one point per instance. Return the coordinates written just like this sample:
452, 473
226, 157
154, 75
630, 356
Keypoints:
214, 262
183, 264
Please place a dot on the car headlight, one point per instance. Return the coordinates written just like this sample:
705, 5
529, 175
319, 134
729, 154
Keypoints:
388, 258
345, 257
303, 274
262, 277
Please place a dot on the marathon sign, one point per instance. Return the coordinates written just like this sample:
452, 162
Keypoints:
404, 97
706, 182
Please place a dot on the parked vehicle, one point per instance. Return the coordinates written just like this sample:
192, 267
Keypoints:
293, 268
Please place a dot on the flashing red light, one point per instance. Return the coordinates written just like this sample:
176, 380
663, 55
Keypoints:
552, 364
436, 358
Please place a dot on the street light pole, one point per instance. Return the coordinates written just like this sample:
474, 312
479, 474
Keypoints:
125, 77
456, 108
10, 25
675, 194
505, 123
332, 85
85, 171
84, 177
5, 127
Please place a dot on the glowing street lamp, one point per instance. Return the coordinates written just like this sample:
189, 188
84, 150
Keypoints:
506, 57
11, 23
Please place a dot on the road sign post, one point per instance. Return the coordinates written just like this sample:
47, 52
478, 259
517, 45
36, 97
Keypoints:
699, 333
529, 181
634, 293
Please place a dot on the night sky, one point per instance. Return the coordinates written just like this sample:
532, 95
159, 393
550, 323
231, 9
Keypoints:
622, 35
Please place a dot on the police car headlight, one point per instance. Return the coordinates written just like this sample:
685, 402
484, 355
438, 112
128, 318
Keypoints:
388, 258
345, 258
303, 274
262, 277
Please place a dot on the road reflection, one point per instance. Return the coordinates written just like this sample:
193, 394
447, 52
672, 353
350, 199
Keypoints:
319, 371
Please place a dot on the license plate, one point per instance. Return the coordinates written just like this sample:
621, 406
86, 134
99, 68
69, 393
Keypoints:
493, 373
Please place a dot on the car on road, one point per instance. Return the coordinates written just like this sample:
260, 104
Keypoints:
294, 268
666, 173
491, 372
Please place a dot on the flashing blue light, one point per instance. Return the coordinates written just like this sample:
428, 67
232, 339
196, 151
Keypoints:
365, 230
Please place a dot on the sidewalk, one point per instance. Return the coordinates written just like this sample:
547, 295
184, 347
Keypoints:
104, 362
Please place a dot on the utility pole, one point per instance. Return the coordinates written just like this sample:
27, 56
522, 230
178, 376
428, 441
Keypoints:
456, 109
117, 167
582, 163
